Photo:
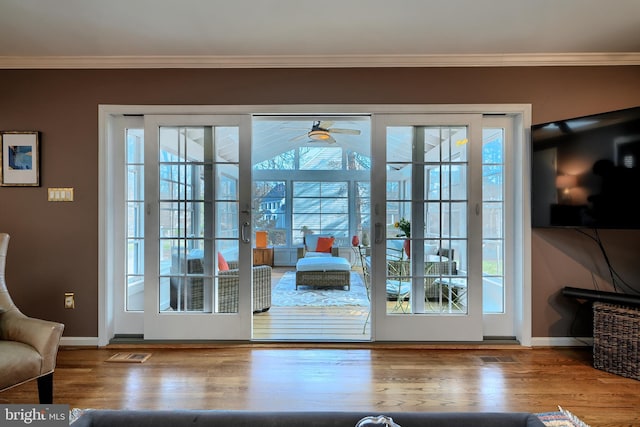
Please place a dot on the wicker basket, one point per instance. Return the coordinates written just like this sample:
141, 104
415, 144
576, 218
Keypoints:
616, 339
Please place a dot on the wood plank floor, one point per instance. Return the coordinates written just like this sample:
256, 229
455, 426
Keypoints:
336, 323
371, 377
310, 323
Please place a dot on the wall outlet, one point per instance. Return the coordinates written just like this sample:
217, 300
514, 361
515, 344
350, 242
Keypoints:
69, 300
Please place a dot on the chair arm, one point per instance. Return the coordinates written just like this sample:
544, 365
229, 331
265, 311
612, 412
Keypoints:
263, 269
232, 273
43, 335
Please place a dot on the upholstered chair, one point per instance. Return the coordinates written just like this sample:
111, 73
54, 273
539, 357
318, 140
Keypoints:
28, 346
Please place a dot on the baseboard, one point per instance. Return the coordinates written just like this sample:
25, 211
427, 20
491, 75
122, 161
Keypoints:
79, 341
561, 341
535, 341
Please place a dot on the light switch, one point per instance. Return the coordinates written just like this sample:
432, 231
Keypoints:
60, 194
69, 300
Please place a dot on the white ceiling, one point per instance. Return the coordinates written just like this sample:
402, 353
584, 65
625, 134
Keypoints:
270, 33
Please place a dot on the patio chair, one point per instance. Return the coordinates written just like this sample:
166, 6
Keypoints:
229, 288
365, 260
436, 266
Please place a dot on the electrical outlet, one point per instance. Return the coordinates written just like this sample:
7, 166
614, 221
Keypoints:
69, 300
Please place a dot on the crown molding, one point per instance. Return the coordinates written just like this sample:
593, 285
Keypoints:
321, 61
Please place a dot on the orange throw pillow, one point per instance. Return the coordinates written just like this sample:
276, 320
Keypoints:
222, 263
325, 244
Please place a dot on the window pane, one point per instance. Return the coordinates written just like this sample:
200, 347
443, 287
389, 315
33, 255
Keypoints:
227, 143
335, 206
134, 283
493, 295
284, 161
399, 144
306, 205
227, 219
135, 145
321, 207
227, 182
269, 212
306, 189
358, 161
135, 182
492, 186
320, 158
334, 189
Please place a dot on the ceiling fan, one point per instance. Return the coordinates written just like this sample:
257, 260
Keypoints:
321, 130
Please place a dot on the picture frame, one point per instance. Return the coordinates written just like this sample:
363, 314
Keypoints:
19, 158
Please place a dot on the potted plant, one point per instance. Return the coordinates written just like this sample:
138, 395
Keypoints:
405, 226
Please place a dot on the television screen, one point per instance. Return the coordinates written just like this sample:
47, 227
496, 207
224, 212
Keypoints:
585, 171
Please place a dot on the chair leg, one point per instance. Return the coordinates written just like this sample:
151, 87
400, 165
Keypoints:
45, 389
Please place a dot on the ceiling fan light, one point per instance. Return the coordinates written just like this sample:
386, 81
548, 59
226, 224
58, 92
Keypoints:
319, 135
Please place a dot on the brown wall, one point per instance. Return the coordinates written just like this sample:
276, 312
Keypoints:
54, 246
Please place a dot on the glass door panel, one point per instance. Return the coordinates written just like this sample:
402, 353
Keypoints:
193, 205
423, 239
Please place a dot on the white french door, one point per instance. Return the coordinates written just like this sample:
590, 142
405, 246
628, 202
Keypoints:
427, 278
197, 218
175, 191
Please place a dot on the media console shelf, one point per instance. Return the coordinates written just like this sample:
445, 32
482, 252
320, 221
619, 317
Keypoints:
602, 296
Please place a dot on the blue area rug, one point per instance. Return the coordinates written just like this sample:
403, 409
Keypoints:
286, 295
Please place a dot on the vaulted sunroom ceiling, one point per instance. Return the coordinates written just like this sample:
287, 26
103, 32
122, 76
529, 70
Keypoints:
275, 135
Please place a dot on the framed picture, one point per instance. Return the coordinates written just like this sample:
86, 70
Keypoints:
19, 159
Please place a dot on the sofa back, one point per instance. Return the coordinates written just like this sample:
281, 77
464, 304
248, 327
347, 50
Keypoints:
215, 418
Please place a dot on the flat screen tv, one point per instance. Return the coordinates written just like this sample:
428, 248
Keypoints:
586, 171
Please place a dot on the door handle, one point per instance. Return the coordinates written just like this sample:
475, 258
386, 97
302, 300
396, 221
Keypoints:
243, 232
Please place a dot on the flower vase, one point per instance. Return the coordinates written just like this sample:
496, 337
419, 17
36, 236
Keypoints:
355, 240
407, 247
365, 238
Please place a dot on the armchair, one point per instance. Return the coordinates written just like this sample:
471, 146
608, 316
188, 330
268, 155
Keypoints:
228, 288
29, 346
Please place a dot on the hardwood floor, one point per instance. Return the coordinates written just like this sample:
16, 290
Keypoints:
368, 377
340, 375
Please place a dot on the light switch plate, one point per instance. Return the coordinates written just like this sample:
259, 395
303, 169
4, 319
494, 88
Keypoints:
60, 194
69, 300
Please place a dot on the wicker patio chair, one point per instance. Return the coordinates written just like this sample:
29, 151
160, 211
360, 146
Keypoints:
228, 288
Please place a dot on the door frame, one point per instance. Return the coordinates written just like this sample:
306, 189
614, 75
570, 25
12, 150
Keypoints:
520, 113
